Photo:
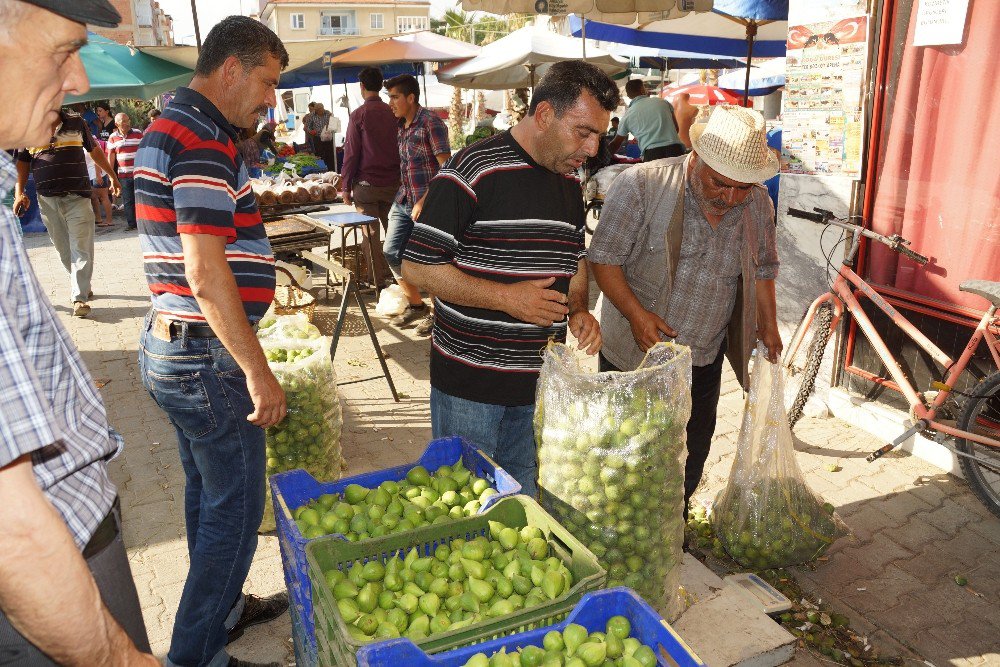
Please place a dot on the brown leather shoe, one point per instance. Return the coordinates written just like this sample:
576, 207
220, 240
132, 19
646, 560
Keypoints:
257, 610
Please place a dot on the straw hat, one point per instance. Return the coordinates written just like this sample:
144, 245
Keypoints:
733, 142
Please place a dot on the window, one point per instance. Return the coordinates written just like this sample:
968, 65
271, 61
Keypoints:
298, 21
411, 23
377, 21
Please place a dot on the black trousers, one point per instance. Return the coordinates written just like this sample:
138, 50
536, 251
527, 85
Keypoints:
660, 152
706, 385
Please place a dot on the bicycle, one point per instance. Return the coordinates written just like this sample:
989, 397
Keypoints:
977, 432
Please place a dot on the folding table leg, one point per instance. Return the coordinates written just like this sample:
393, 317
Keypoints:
375, 343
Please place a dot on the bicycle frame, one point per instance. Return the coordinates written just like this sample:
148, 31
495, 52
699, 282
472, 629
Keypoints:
841, 295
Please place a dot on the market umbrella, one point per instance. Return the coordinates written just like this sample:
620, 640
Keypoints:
415, 47
607, 11
115, 70
764, 79
733, 28
701, 94
520, 58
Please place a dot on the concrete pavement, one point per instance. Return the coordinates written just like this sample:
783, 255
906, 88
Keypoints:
914, 528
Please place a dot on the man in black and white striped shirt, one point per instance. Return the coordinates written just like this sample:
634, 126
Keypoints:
500, 243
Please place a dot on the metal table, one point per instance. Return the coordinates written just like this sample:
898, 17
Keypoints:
349, 222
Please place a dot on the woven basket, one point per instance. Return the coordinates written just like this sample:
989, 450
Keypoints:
293, 298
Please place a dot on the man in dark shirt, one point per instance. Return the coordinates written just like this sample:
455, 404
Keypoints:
500, 244
63, 186
371, 163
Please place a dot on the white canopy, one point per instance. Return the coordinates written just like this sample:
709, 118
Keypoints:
521, 58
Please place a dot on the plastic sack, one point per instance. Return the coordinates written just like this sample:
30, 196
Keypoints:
309, 435
767, 517
612, 448
391, 302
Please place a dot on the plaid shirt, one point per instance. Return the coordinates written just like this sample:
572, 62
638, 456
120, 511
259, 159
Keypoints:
419, 146
50, 406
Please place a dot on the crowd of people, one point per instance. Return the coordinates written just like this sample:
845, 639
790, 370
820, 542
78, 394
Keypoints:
495, 233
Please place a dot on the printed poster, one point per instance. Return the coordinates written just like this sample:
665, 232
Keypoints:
822, 118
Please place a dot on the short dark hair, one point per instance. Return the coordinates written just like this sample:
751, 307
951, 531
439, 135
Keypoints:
154, 112
615, 119
635, 87
371, 79
566, 80
102, 105
243, 37
407, 84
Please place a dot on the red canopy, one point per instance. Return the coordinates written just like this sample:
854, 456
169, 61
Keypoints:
702, 94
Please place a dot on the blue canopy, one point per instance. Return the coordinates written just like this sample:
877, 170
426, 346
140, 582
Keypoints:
717, 33
315, 74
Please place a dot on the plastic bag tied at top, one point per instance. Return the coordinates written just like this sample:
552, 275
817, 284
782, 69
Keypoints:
612, 448
767, 517
309, 435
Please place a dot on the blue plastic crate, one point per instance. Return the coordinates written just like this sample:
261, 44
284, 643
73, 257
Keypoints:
290, 490
592, 612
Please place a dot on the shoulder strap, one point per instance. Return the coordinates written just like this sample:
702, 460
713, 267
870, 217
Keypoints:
675, 231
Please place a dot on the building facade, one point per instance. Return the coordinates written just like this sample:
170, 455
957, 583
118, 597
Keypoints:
144, 23
304, 20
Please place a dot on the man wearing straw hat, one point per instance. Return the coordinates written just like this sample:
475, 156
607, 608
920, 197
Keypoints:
686, 250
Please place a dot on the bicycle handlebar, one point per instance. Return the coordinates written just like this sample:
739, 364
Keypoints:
895, 242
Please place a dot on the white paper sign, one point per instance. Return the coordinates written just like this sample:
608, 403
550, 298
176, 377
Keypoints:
940, 22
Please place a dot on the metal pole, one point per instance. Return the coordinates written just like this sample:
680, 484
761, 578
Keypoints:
583, 34
329, 78
423, 75
751, 33
347, 100
333, 138
197, 30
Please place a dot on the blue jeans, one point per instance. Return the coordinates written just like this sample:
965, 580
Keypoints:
396, 235
506, 434
204, 393
128, 201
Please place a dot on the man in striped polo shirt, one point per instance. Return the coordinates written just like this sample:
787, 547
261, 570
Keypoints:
210, 269
500, 244
122, 145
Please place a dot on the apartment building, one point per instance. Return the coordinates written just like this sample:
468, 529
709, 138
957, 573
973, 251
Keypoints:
302, 20
144, 23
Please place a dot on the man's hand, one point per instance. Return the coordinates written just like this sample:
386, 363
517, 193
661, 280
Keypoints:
21, 204
116, 186
268, 399
771, 339
530, 301
586, 330
347, 197
418, 207
647, 328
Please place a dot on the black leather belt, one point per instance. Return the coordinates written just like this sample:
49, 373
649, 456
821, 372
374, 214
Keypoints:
169, 328
105, 534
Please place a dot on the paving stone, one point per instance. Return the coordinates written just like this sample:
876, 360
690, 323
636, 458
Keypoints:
879, 591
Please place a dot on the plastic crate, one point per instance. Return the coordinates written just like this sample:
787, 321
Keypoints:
592, 613
290, 490
337, 648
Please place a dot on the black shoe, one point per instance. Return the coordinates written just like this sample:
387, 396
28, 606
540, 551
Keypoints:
410, 315
130, 228
257, 610
233, 662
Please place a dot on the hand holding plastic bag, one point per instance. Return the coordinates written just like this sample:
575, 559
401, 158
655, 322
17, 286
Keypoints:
767, 517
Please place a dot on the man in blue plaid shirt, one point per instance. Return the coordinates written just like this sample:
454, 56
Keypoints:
66, 591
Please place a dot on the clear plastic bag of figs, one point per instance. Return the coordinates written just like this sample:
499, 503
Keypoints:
767, 517
612, 448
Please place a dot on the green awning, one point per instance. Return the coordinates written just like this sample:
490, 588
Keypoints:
119, 71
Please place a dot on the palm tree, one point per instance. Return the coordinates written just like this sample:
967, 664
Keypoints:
457, 24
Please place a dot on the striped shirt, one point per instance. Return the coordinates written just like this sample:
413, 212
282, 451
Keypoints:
49, 406
125, 148
494, 213
190, 179
59, 166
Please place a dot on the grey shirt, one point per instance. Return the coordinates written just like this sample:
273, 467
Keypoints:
637, 232
704, 292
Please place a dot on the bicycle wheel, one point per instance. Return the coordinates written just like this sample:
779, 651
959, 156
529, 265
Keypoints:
982, 417
802, 368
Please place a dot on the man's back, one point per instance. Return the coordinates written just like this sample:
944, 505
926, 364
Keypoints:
650, 120
371, 149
